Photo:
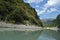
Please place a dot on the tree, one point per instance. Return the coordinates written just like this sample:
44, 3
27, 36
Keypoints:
58, 21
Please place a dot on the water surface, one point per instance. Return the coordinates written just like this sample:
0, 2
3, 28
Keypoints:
25, 35
49, 35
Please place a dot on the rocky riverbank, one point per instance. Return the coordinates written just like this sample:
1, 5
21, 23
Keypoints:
20, 27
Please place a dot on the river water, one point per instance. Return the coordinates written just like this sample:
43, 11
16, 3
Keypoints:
30, 35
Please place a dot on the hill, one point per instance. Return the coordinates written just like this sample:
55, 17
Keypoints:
18, 12
58, 21
48, 22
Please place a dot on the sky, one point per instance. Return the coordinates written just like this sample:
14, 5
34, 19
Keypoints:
45, 8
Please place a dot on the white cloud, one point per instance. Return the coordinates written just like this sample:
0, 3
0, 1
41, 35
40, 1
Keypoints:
41, 11
45, 10
50, 3
34, 1
51, 10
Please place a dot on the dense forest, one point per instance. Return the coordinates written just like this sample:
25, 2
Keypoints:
18, 12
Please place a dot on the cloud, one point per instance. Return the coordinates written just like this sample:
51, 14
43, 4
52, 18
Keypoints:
50, 3
48, 7
34, 1
45, 10
51, 10
41, 11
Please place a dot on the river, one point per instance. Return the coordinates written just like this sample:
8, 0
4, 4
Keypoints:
30, 35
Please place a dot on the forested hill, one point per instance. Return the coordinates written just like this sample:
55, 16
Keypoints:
58, 21
16, 11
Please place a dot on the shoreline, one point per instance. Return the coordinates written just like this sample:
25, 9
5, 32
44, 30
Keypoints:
52, 28
21, 27
8, 26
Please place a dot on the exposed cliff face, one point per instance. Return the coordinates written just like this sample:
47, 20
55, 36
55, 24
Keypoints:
16, 11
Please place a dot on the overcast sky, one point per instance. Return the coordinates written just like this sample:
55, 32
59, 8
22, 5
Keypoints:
45, 8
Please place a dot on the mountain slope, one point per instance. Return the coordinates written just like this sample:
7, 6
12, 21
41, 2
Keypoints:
16, 11
58, 21
49, 22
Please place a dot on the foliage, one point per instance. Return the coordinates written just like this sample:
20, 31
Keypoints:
16, 11
58, 21
49, 22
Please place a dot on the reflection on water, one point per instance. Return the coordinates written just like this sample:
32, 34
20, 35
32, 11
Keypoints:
25, 35
49, 35
46, 38
19, 35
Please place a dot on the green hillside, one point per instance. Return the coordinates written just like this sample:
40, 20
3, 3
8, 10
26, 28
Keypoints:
49, 22
18, 12
58, 21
